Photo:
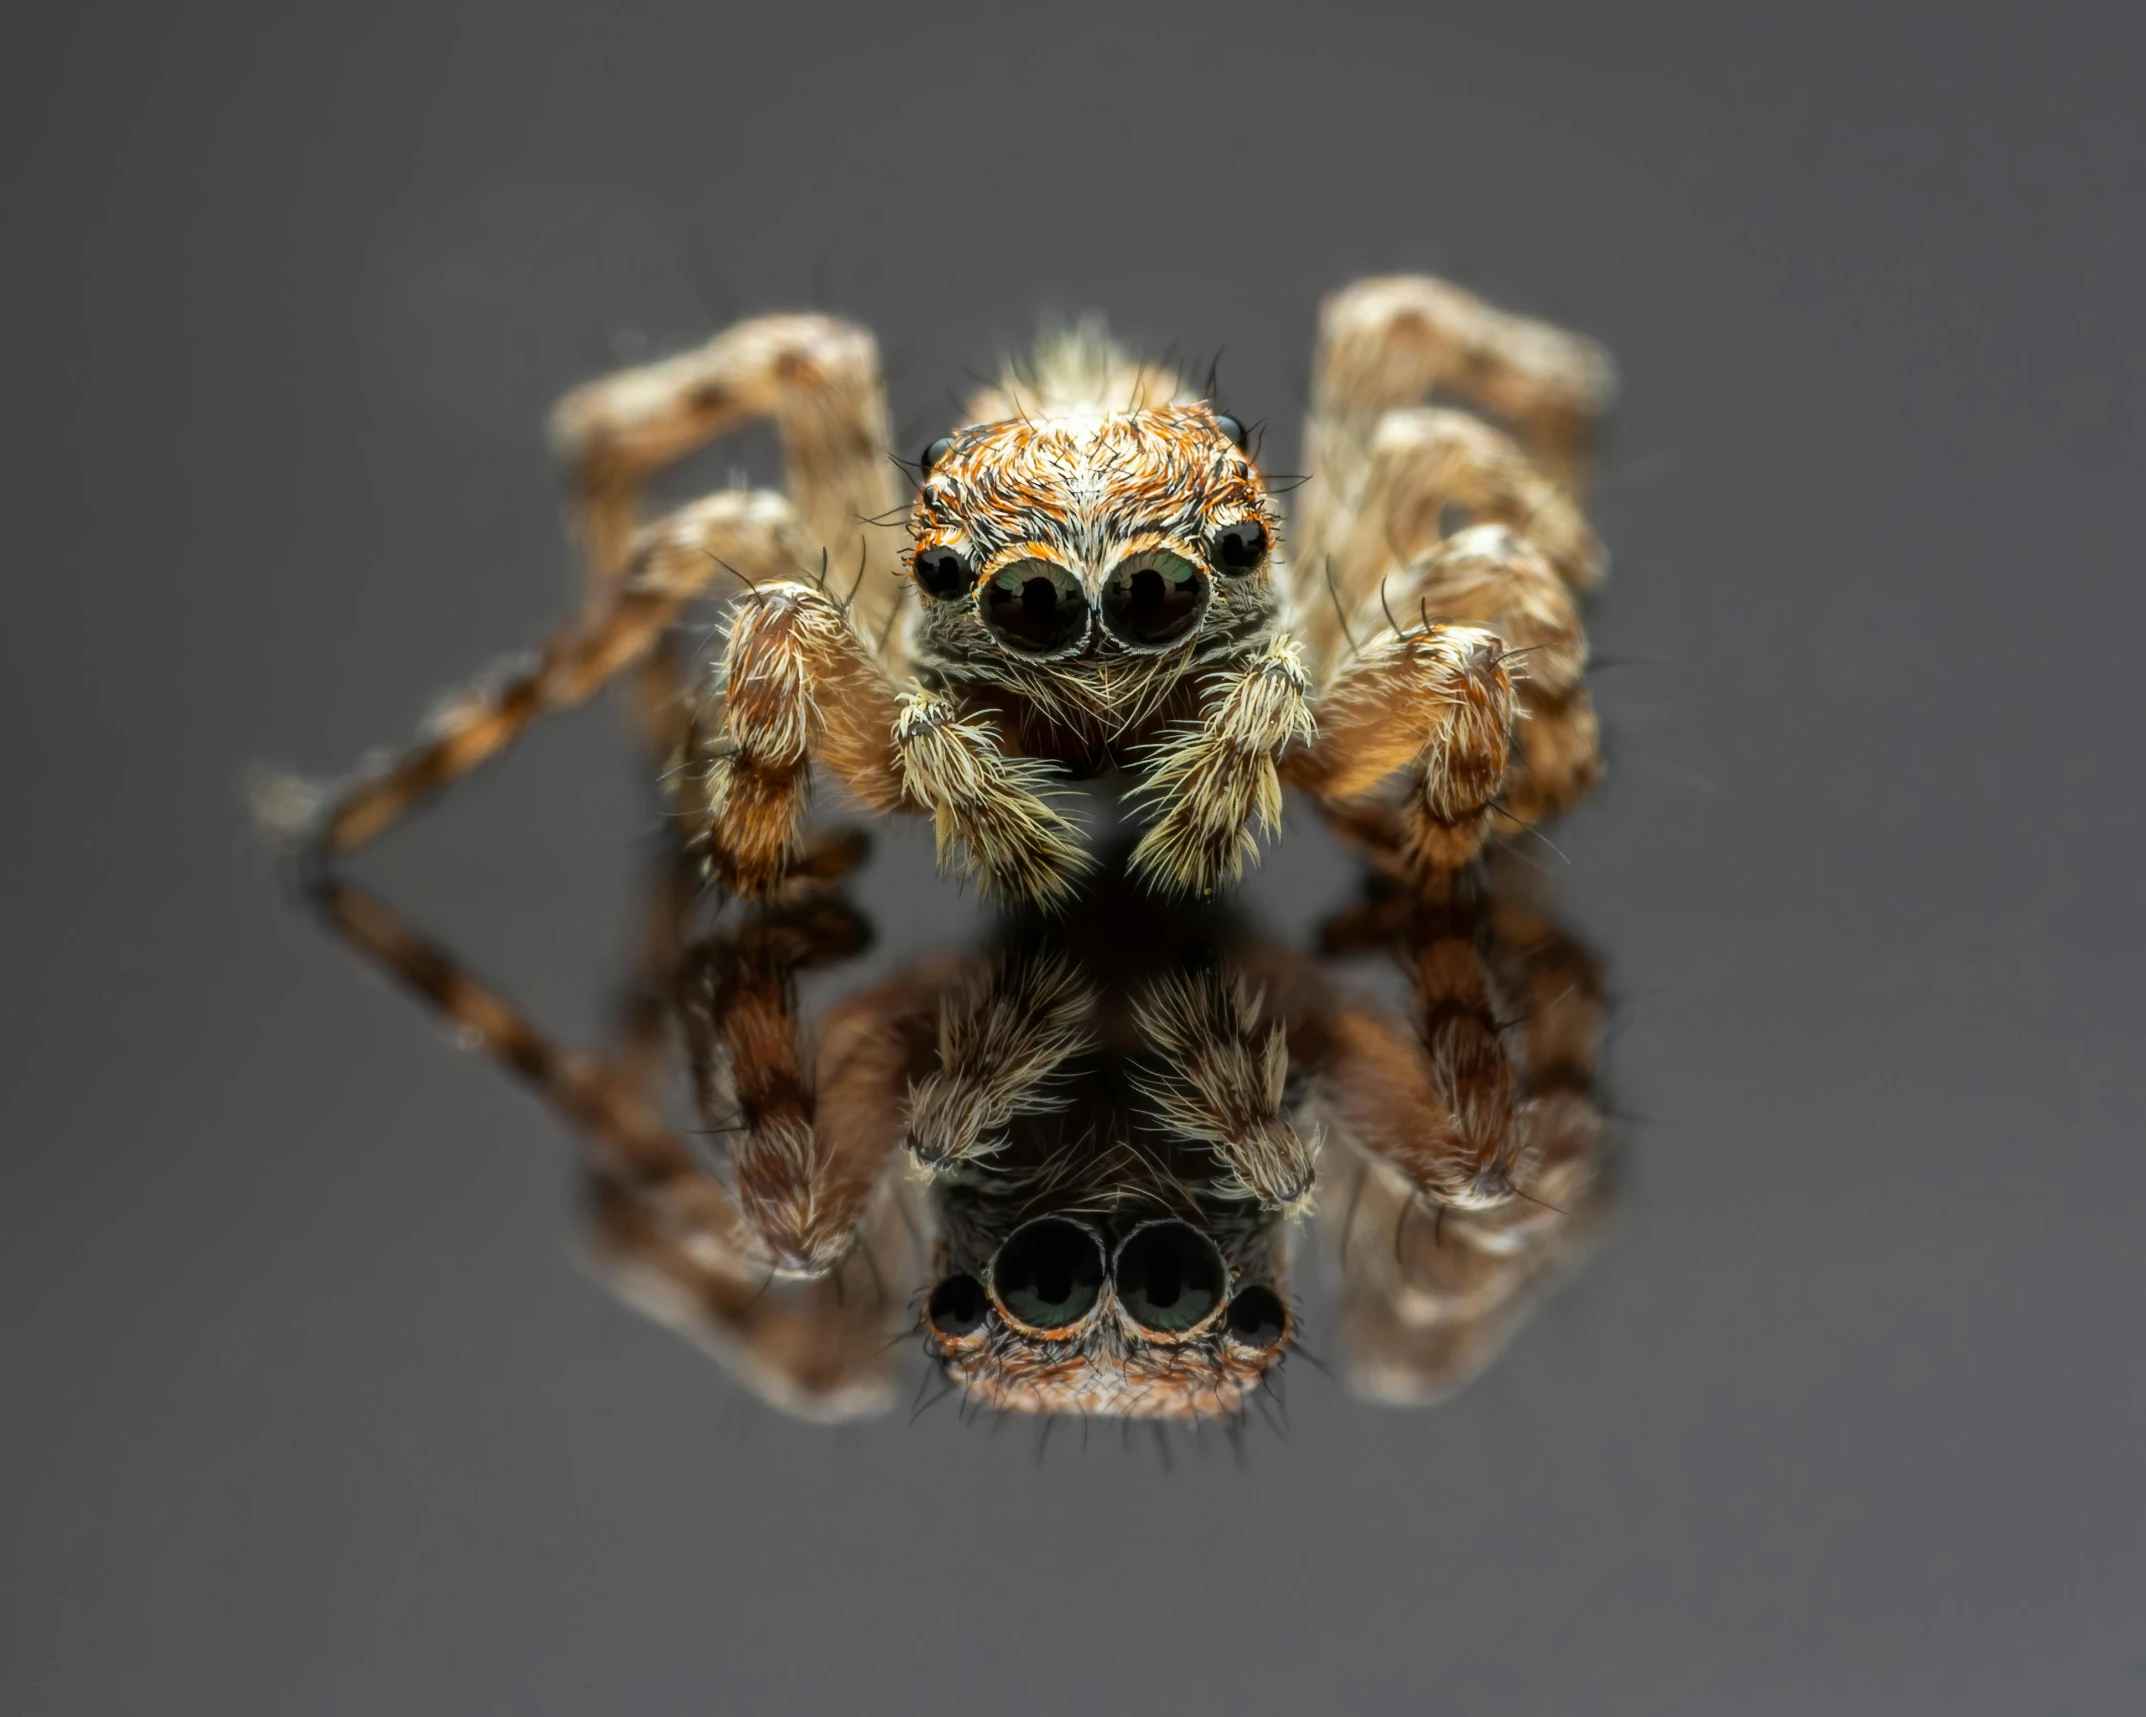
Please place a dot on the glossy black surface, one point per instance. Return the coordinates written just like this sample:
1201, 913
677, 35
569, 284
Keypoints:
309, 1408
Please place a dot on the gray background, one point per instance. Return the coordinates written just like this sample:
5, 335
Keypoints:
308, 1409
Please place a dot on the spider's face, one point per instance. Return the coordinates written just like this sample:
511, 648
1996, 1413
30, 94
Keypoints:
1149, 1320
1088, 540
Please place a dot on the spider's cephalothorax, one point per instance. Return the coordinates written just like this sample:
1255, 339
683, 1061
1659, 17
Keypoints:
1092, 577
1075, 570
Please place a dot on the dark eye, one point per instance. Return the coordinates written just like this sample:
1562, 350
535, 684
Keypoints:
942, 572
1153, 597
1169, 1278
1257, 1318
957, 1307
1048, 1275
1230, 427
1036, 606
934, 453
1240, 547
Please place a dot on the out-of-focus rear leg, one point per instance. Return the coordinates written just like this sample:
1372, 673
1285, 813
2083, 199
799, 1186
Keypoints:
1386, 345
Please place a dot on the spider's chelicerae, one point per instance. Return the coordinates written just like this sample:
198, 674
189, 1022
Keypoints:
1092, 574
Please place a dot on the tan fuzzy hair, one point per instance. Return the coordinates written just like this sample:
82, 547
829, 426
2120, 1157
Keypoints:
1085, 462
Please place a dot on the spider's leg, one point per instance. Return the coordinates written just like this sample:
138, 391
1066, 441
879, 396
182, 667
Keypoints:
992, 813
1493, 577
1389, 342
672, 562
1425, 461
670, 1238
800, 682
1467, 1179
1433, 704
816, 1116
818, 379
1003, 1040
1216, 785
1219, 1078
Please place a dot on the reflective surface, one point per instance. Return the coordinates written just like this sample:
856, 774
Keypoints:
1116, 1124
311, 1406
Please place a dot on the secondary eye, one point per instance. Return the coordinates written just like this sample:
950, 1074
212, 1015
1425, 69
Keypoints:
1240, 547
1048, 1275
942, 572
1230, 426
957, 1307
1153, 596
934, 453
1170, 1278
1257, 1319
1035, 606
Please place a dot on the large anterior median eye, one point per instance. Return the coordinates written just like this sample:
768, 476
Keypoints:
1170, 1278
1153, 597
1048, 1275
1035, 606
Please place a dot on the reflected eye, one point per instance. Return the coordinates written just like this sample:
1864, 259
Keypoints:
1048, 1275
942, 572
1153, 597
1035, 606
1257, 1319
957, 1307
1169, 1278
1240, 547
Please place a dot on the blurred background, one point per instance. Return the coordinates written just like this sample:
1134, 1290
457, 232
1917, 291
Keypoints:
311, 1409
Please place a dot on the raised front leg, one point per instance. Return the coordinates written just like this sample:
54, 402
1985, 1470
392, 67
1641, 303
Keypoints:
1216, 788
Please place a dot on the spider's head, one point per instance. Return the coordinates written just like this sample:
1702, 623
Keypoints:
1145, 1319
1077, 543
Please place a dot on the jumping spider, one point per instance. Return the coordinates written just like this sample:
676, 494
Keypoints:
1100, 581
1111, 1119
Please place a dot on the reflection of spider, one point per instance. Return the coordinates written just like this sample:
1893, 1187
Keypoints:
1100, 579
1111, 1125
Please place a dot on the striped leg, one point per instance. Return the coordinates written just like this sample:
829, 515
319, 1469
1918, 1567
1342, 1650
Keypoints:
673, 562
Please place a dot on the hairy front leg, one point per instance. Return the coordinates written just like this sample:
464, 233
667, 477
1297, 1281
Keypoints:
1003, 1043
1220, 1078
991, 814
799, 683
1433, 705
1217, 786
